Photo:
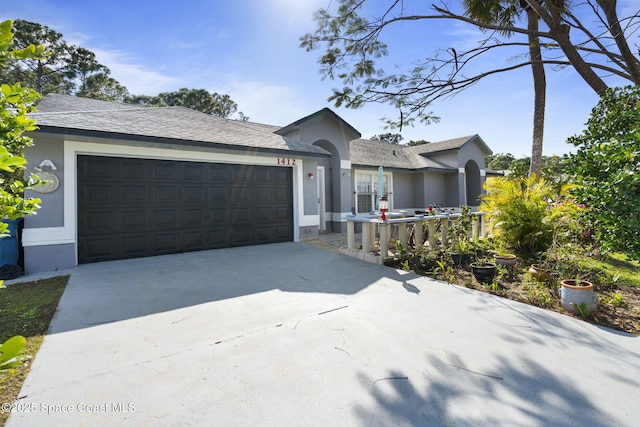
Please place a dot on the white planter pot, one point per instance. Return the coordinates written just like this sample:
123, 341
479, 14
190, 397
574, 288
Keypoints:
572, 295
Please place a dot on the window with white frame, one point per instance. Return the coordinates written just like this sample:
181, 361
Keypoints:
367, 190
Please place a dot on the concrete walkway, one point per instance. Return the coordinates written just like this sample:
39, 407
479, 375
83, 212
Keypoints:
293, 335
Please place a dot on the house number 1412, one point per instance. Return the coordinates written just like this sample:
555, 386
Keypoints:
287, 162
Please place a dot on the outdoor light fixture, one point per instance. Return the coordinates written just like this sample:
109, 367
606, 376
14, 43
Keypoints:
346, 174
310, 175
384, 207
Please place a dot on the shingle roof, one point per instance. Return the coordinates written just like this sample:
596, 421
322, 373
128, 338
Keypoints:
72, 114
374, 153
447, 145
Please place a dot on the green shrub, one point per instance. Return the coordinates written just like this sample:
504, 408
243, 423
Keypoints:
606, 167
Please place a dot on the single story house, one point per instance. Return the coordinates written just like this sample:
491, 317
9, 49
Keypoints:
127, 181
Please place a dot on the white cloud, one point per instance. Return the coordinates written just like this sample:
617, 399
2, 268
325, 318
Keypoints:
264, 102
136, 78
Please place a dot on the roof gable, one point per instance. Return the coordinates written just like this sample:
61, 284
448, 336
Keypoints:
325, 112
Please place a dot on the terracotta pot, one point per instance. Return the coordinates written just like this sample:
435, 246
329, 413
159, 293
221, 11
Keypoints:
576, 292
539, 273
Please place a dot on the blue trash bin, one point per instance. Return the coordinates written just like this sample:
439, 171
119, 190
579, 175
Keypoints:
9, 251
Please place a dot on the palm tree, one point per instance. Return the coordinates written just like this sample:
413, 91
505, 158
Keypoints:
504, 13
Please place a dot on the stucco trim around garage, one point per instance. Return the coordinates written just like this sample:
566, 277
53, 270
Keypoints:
67, 233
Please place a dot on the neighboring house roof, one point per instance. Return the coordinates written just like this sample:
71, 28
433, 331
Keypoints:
319, 114
74, 115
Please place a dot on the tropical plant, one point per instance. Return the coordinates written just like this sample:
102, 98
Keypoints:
10, 353
606, 169
520, 213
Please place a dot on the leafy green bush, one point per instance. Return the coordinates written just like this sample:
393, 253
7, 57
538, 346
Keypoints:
522, 215
606, 168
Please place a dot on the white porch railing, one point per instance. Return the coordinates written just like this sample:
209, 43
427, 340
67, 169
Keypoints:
376, 233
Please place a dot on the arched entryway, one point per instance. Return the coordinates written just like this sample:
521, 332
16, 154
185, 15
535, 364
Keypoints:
473, 184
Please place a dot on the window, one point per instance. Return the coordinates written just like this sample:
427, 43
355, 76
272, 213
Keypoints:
367, 191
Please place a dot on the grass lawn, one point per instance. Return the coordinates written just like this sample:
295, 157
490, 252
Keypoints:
26, 309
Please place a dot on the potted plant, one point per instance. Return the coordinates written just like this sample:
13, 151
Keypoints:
539, 272
458, 234
577, 295
483, 271
505, 258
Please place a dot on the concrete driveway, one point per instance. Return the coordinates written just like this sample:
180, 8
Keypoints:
292, 335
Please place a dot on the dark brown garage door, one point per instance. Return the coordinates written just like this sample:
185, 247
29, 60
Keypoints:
131, 208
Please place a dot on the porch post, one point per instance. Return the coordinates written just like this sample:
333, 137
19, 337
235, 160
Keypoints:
351, 231
384, 240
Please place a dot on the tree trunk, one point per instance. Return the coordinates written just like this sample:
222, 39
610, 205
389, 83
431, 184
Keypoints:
609, 9
540, 92
559, 32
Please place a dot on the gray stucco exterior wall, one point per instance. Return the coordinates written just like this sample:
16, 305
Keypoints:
49, 258
51, 212
403, 190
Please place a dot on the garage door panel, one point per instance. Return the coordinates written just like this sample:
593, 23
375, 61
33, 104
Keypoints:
164, 219
195, 173
241, 237
132, 220
262, 214
144, 207
240, 216
133, 169
134, 245
192, 194
99, 222
218, 238
192, 217
263, 195
193, 240
165, 242
133, 194
282, 214
165, 194
99, 249
101, 168
282, 233
281, 195
97, 194
165, 170
263, 234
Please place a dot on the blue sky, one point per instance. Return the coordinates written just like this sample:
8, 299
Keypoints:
249, 49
